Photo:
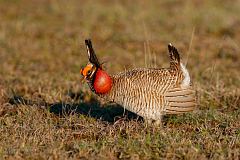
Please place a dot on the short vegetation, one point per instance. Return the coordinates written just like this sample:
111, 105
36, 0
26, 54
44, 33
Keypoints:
47, 112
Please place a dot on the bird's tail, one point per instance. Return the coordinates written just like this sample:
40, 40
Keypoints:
180, 100
174, 57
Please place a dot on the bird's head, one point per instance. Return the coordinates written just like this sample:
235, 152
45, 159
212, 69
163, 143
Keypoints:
99, 81
88, 71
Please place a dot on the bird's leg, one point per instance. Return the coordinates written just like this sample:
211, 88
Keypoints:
158, 123
151, 122
148, 122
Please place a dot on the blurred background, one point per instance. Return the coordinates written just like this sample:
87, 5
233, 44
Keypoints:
42, 47
42, 42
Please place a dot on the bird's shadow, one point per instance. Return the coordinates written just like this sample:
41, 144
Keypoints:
108, 112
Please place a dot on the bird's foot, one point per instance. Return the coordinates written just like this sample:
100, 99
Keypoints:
155, 123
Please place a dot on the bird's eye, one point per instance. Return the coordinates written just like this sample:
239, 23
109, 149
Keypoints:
89, 72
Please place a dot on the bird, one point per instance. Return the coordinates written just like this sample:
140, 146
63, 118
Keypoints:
148, 92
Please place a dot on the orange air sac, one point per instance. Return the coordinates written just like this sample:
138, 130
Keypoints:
102, 82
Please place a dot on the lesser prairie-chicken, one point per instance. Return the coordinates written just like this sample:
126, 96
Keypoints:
148, 92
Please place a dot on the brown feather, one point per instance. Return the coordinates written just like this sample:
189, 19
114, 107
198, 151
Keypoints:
151, 92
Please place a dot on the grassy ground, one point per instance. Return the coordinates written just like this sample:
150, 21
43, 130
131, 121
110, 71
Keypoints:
46, 112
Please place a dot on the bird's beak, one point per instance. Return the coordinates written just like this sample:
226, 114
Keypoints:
82, 77
81, 70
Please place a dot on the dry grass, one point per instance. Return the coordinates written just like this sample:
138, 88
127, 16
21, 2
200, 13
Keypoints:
45, 112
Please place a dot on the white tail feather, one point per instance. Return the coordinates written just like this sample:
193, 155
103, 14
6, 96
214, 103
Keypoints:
186, 81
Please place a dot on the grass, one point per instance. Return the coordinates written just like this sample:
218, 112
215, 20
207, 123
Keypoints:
47, 113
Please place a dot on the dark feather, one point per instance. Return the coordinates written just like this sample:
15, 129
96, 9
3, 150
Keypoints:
174, 57
91, 54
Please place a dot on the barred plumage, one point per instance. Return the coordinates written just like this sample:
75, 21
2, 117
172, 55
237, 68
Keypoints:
151, 92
